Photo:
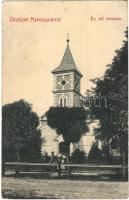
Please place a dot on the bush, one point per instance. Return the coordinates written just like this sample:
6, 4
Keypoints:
78, 156
95, 154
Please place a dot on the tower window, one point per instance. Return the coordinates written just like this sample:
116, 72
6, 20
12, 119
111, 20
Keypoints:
64, 101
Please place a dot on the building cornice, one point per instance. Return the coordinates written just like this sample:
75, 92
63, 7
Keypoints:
67, 71
62, 91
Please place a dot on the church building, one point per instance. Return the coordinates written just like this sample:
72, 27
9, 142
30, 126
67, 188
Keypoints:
66, 92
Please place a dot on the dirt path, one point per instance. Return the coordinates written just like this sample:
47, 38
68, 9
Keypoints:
28, 187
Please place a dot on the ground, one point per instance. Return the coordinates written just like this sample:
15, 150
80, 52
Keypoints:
78, 186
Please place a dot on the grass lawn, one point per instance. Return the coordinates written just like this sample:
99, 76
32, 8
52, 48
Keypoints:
78, 186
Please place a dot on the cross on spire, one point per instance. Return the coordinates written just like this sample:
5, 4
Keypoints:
67, 38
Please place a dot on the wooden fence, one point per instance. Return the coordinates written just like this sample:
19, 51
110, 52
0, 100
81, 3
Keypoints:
62, 168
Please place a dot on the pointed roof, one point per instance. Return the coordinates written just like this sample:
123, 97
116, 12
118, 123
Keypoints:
67, 63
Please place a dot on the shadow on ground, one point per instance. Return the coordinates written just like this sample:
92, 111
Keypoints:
17, 195
77, 177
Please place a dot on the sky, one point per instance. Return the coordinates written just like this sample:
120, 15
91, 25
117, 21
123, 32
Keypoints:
31, 50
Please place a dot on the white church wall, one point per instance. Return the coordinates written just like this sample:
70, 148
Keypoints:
49, 145
89, 137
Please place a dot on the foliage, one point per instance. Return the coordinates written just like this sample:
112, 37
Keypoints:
20, 135
113, 87
95, 154
70, 122
78, 156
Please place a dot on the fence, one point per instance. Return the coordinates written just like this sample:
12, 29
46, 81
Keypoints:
60, 168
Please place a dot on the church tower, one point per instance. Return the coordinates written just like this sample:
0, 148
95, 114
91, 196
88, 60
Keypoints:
66, 91
67, 77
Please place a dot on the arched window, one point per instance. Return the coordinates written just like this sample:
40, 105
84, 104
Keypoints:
64, 101
61, 102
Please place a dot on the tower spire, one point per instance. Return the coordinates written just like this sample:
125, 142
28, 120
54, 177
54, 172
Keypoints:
67, 62
67, 39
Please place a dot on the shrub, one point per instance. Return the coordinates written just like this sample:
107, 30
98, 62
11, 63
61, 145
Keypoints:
78, 156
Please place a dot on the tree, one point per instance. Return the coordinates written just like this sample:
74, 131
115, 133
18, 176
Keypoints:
68, 122
21, 138
114, 86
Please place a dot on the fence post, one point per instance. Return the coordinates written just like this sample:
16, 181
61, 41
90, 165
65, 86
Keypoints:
69, 171
59, 169
124, 166
3, 169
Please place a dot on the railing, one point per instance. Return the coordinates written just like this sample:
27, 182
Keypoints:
117, 169
59, 168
